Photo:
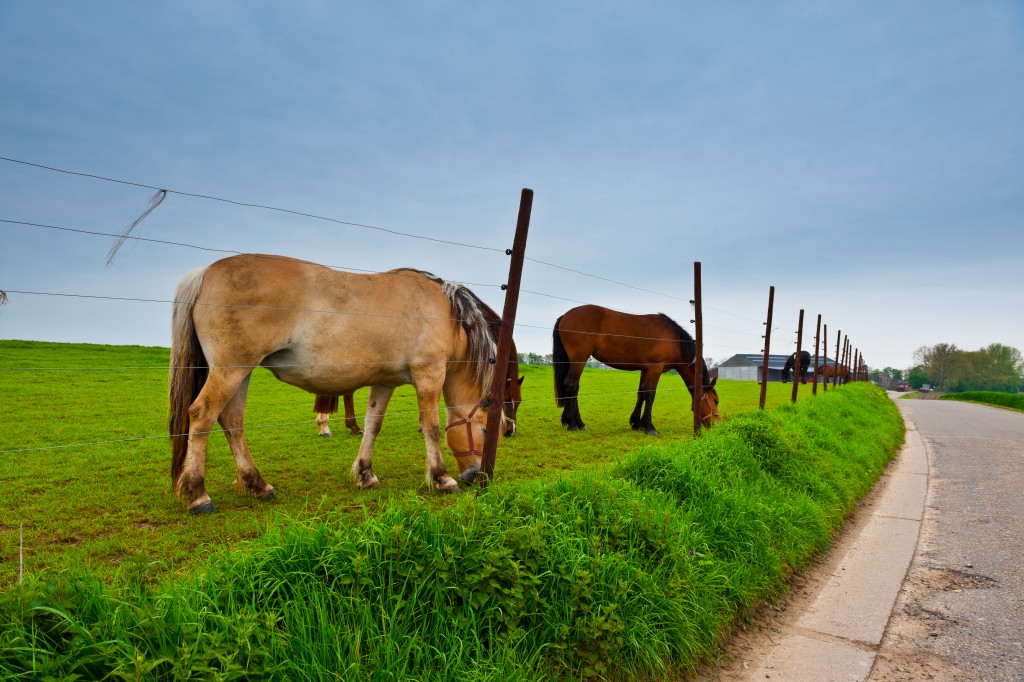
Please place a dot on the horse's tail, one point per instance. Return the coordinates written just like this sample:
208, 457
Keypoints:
325, 404
188, 367
560, 361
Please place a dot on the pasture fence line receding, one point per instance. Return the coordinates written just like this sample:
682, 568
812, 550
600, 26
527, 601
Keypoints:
506, 324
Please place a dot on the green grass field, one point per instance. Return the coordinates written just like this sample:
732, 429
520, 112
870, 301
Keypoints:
604, 554
99, 505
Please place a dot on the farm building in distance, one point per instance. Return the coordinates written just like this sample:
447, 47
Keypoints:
747, 366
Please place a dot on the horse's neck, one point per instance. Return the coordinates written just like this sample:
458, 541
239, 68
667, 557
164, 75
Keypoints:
687, 374
461, 392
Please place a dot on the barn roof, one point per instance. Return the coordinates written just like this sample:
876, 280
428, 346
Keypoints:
774, 361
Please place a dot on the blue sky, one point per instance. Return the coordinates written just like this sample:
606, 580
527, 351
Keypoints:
866, 159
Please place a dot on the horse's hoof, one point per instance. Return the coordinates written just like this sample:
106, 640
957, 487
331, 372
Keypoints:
268, 496
204, 508
450, 491
370, 482
651, 432
326, 434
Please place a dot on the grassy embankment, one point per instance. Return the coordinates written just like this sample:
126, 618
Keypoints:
597, 553
1013, 401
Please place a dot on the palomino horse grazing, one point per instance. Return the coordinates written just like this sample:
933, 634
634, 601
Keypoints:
328, 332
805, 361
652, 344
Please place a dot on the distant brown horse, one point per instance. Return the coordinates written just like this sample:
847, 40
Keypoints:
839, 374
328, 332
650, 344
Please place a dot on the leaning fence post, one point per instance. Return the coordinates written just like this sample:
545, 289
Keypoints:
698, 354
504, 347
835, 375
796, 360
767, 345
824, 358
817, 342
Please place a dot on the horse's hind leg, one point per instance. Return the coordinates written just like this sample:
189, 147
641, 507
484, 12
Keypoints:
322, 425
350, 416
232, 420
220, 387
645, 396
376, 406
634, 418
571, 418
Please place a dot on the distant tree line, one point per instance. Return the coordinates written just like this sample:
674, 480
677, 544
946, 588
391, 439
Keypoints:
535, 359
947, 368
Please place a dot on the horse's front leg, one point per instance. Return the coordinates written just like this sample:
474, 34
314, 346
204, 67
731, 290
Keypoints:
376, 406
428, 381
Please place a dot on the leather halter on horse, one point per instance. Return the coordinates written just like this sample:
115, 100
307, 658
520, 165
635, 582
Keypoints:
714, 409
468, 421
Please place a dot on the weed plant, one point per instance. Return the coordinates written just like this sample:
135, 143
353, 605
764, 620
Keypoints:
635, 565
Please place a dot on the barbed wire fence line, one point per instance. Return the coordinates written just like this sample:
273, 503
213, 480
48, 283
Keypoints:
161, 193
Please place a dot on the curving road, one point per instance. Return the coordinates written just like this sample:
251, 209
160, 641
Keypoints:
960, 615
927, 581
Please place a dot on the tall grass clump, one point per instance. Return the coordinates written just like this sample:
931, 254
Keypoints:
1014, 401
629, 572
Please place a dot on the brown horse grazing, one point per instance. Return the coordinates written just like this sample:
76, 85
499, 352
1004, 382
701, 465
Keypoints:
652, 344
328, 332
326, 405
839, 374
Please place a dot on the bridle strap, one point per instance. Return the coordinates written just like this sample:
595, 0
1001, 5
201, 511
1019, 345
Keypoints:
469, 434
714, 408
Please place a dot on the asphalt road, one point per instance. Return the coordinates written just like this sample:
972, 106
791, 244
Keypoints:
960, 613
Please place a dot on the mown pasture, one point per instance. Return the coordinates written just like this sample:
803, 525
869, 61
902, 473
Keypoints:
603, 554
100, 505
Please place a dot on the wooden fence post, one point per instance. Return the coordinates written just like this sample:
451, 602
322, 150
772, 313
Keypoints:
504, 345
817, 343
767, 345
824, 354
835, 377
698, 355
796, 360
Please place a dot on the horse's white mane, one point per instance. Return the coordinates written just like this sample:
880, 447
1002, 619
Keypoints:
482, 345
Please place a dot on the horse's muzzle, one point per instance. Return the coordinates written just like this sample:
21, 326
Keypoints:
470, 475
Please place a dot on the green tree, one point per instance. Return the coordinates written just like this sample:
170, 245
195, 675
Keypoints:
917, 376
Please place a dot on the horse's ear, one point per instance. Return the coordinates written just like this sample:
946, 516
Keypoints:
713, 382
521, 380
